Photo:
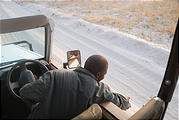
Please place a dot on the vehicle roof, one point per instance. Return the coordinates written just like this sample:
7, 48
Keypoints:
23, 23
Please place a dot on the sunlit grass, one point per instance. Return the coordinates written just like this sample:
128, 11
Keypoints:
159, 16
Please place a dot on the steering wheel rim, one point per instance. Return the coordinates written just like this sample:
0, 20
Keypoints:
13, 85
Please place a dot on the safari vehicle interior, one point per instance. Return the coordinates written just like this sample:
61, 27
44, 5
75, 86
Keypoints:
28, 46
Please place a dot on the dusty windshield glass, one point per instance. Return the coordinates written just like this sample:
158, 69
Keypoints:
27, 44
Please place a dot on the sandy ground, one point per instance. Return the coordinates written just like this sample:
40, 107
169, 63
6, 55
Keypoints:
136, 66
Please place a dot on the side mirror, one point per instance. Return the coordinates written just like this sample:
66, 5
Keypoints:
73, 58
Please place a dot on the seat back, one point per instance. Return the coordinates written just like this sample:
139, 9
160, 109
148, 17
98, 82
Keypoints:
93, 112
152, 110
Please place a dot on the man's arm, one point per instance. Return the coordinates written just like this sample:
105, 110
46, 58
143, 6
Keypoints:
103, 93
35, 90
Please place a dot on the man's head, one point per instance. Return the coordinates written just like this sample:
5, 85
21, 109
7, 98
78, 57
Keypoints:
97, 65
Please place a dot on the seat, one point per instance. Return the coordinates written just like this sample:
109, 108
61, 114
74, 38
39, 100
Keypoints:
93, 112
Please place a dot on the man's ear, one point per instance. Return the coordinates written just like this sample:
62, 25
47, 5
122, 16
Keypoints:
98, 74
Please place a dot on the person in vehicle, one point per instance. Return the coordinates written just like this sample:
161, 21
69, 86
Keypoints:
63, 93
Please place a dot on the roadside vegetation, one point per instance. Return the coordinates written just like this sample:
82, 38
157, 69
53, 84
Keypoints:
152, 20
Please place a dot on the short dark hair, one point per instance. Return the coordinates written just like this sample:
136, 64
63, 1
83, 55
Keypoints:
95, 64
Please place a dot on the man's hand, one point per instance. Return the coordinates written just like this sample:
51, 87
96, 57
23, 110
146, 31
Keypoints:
127, 97
26, 76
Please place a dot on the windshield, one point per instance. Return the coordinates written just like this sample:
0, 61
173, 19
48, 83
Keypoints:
27, 44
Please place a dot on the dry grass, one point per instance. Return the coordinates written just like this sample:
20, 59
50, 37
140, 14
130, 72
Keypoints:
159, 16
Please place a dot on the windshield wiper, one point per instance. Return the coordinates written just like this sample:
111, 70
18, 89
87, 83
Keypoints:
22, 42
8, 63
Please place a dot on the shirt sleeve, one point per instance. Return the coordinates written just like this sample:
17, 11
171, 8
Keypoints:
103, 93
36, 90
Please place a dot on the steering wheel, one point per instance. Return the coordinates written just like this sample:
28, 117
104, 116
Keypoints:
22, 64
